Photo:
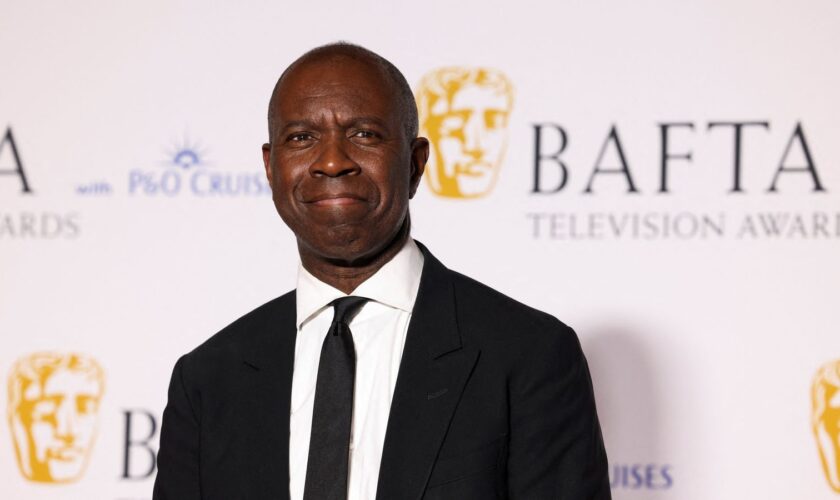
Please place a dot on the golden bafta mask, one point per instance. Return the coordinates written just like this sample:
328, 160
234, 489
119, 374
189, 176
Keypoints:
464, 114
825, 420
53, 405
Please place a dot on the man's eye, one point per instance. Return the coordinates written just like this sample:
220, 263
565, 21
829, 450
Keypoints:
300, 137
365, 134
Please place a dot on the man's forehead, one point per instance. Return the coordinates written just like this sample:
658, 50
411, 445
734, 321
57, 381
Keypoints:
322, 88
317, 106
335, 57
338, 70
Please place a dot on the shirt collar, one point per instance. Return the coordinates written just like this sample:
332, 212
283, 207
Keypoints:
395, 284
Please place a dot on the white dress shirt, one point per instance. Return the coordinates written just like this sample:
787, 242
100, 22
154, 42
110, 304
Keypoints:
379, 331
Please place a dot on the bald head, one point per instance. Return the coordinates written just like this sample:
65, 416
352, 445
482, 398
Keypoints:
396, 83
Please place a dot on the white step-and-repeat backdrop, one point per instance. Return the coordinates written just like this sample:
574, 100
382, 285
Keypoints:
663, 176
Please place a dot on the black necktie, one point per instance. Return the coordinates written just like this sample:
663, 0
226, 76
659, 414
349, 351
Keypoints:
329, 444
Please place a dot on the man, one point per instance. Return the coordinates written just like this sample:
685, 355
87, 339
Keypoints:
422, 384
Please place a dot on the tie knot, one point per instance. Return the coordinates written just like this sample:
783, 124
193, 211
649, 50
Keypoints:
346, 308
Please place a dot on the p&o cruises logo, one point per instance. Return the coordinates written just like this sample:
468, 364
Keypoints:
53, 414
187, 171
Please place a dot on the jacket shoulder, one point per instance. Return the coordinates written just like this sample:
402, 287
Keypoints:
489, 314
245, 331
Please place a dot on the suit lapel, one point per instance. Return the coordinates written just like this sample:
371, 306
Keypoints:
271, 356
433, 372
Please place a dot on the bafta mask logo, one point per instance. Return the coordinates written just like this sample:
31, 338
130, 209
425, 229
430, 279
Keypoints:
825, 420
53, 404
464, 114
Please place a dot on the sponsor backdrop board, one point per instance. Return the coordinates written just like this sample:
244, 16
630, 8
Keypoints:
663, 176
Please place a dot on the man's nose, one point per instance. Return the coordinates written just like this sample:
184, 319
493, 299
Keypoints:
333, 160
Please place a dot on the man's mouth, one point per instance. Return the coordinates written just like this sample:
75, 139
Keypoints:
336, 200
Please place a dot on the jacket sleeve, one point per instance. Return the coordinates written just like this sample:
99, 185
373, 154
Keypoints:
555, 448
178, 458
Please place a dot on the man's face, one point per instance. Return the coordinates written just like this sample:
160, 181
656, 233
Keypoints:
60, 422
469, 136
339, 163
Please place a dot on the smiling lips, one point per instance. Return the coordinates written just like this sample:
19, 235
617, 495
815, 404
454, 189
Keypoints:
336, 200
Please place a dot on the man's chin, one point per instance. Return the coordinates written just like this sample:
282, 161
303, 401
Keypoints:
350, 246
337, 214
343, 245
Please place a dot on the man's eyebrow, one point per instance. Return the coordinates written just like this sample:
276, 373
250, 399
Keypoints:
350, 121
365, 120
296, 123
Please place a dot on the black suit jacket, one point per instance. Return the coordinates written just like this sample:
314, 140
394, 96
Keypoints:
493, 400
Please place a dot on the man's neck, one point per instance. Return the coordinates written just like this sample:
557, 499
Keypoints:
347, 277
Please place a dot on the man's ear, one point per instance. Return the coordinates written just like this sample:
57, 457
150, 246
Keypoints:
266, 151
419, 157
